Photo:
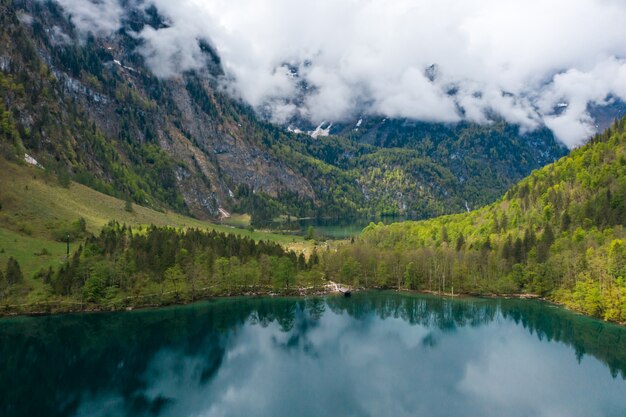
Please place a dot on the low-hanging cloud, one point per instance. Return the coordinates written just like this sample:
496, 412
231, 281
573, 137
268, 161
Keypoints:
531, 62
98, 16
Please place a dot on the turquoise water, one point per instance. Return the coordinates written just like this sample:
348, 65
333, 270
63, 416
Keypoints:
331, 228
375, 354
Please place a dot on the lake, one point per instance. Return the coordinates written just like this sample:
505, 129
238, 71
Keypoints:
330, 228
375, 354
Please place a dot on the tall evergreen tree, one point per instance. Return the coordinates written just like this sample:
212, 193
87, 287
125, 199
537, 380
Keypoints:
14, 272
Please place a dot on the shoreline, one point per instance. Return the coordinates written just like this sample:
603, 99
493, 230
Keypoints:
53, 308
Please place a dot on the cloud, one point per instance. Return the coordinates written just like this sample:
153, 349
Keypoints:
100, 17
170, 51
336, 59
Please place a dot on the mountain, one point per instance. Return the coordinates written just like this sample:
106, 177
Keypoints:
87, 107
559, 233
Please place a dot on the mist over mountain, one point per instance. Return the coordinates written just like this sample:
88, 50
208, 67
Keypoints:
530, 63
88, 96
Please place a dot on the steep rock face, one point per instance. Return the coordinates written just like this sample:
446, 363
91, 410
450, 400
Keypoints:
105, 79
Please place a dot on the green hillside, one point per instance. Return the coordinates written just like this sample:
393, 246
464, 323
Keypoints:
37, 213
557, 234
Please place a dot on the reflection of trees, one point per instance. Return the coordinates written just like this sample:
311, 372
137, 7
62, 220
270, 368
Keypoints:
440, 313
49, 363
53, 361
606, 342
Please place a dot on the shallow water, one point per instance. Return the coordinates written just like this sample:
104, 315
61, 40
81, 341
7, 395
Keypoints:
375, 354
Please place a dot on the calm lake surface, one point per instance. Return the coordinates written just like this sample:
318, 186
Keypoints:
375, 354
332, 228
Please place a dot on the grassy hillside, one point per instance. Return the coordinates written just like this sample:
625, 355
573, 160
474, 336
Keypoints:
37, 213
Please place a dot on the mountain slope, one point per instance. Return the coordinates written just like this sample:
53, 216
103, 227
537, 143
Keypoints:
37, 215
88, 108
558, 233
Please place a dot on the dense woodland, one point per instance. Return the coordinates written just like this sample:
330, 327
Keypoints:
558, 234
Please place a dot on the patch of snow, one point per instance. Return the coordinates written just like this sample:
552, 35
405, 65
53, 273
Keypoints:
561, 105
223, 213
25, 18
358, 124
320, 131
117, 62
58, 37
32, 161
5, 63
294, 130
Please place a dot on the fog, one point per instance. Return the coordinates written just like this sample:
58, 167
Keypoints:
530, 62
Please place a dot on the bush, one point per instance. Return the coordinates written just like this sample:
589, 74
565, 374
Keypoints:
25, 228
128, 206
75, 230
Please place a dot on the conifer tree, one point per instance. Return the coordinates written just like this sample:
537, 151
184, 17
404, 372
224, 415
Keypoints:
14, 273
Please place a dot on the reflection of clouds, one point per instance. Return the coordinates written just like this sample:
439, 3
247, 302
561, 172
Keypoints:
551, 384
375, 367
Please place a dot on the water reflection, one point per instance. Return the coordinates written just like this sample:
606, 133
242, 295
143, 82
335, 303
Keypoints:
375, 354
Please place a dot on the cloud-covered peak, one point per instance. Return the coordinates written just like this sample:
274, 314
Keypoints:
530, 61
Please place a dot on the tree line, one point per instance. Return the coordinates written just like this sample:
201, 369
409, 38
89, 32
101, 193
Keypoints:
160, 265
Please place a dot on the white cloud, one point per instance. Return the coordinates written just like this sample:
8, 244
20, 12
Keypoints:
517, 58
170, 51
96, 16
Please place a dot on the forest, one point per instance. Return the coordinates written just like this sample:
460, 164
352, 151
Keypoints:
126, 267
559, 234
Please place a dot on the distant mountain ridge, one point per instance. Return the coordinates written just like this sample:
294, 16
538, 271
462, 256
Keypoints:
88, 108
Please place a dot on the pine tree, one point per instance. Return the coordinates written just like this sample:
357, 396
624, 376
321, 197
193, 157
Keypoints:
14, 273
460, 241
